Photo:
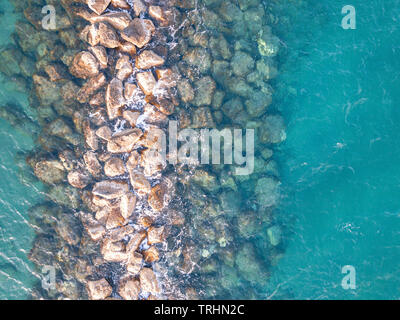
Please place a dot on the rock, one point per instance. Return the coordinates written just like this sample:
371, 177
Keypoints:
151, 255
248, 266
110, 189
98, 290
107, 36
132, 161
198, 58
155, 235
127, 47
230, 203
135, 241
47, 92
49, 171
131, 117
267, 69
104, 133
113, 250
258, 103
124, 68
94, 228
146, 82
205, 180
130, 91
119, 20
152, 162
274, 235
272, 130
127, 205
121, 4
185, 90
90, 87
114, 167
139, 183
148, 59
268, 45
153, 116
138, 32
148, 281
156, 197
66, 196
115, 218
78, 179
156, 12
202, 118
90, 136
139, 7
242, 63
204, 90
84, 65
124, 141
267, 191
232, 108
98, 6
134, 263
129, 288
114, 98
220, 48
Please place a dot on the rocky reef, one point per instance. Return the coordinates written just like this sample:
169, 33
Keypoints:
120, 221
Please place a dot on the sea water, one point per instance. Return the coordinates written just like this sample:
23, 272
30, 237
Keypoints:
339, 94
18, 192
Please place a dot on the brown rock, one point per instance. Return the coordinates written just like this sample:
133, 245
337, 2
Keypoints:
99, 289
130, 90
151, 255
153, 116
129, 288
114, 167
185, 90
90, 87
46, 91
132, 161
90, 136
98, 6
157, 13
119, 20
124, 141
114, 98
98, 100
166, 106
90, 34
101, 55
155, 235
113, 251
156, 197
146, 82
115, 219
138, 7
135, 241
148, 59
148, 281
127, 47
121, 4
49, 171
139, 183
145, 221
131, 117
135, 262
110, 189
94, 228
78, 179
84, 65
127, 205
124, 68
92, 164
107, 36
138, 32
104, 133
152, 162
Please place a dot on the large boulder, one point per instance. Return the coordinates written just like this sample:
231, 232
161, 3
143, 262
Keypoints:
267, 191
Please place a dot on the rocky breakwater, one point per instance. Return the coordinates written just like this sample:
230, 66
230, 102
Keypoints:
102, 91
227, 58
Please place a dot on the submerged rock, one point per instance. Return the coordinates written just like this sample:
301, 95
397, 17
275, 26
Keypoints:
49, 171
110, 189
99, 289
148, 281
148, 59
129, 288
84, 65
267, 191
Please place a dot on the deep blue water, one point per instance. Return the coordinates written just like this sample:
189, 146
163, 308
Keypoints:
339, 93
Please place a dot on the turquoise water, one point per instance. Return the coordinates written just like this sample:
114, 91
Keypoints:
339, 94
18, 193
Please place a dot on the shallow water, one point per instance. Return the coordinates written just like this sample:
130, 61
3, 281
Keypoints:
338, 92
